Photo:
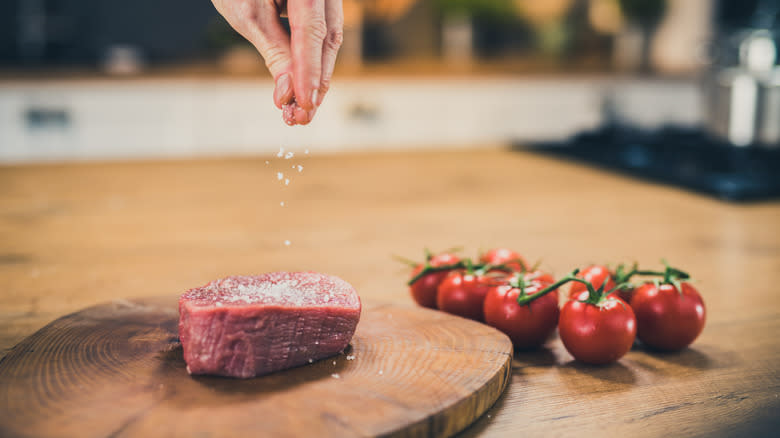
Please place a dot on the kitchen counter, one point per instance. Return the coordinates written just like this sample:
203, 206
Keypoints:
74, 235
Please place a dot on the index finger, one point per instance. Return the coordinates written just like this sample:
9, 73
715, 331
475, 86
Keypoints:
308, 30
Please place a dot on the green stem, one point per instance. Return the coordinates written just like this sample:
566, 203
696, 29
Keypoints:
430, 269
525, 299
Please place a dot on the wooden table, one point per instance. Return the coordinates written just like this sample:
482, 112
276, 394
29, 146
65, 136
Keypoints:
74, 235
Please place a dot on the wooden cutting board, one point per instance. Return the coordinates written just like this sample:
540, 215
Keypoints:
117, 370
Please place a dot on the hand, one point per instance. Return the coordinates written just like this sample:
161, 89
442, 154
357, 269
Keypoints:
301, 63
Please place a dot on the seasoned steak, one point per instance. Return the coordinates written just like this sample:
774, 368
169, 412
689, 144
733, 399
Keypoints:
246, 326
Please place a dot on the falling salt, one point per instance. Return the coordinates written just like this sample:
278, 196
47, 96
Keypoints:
279, 176
267, 162
351, 357
381, 372
287, 243
282, 203
289, 155
300, 168
311, 360
280, 153
335, 376
287, 181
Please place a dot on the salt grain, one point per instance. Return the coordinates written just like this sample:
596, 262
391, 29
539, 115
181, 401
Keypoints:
311, 360
289, 155
282, 203
381, 372
279, 176
280, 153
334, 362
287, 243
351, 357
306, 152
267, 162
300, 168
287, 181
335, 376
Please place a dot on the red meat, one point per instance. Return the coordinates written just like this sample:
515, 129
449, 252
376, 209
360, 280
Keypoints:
246, 326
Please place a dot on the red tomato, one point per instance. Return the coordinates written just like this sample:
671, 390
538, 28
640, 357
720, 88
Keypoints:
668, 319
624, 294
597, 333
463, 294
424, 290
529, 325
596, 275
504, 256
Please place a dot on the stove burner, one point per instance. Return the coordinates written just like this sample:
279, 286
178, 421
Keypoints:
678, 156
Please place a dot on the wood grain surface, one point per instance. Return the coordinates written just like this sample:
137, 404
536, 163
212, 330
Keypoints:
117, 370
75, 235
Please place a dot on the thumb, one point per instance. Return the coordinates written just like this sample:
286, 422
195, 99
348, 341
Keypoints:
258, 22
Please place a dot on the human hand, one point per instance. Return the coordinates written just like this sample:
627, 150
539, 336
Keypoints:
301, 63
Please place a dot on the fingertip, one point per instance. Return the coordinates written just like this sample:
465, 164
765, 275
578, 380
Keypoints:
288, 113
283, 90
303, 116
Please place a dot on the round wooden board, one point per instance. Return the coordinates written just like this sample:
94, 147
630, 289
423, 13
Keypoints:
117, 370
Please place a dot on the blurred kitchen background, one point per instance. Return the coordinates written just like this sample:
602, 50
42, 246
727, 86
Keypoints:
692, 82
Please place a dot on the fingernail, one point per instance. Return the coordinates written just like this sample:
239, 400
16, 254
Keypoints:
282, 89
314, 95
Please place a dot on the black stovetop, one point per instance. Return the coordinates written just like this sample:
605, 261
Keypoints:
679, 156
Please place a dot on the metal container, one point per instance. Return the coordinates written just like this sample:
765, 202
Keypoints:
743, 102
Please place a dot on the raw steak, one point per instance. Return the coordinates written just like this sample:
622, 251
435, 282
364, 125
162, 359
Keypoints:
246, 326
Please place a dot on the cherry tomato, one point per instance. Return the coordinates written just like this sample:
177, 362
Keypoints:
667, 318
596, 275
597, 333
504, 256
424, 290
529, 325
625, 294
463, 294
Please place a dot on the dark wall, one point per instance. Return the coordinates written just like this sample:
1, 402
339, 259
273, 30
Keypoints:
78, 32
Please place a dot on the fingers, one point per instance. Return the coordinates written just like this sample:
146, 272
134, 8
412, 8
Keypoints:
273, 43
308, 31
334, 17
292, 114
258, 22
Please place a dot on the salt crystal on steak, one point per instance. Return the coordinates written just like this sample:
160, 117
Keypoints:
246, 326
